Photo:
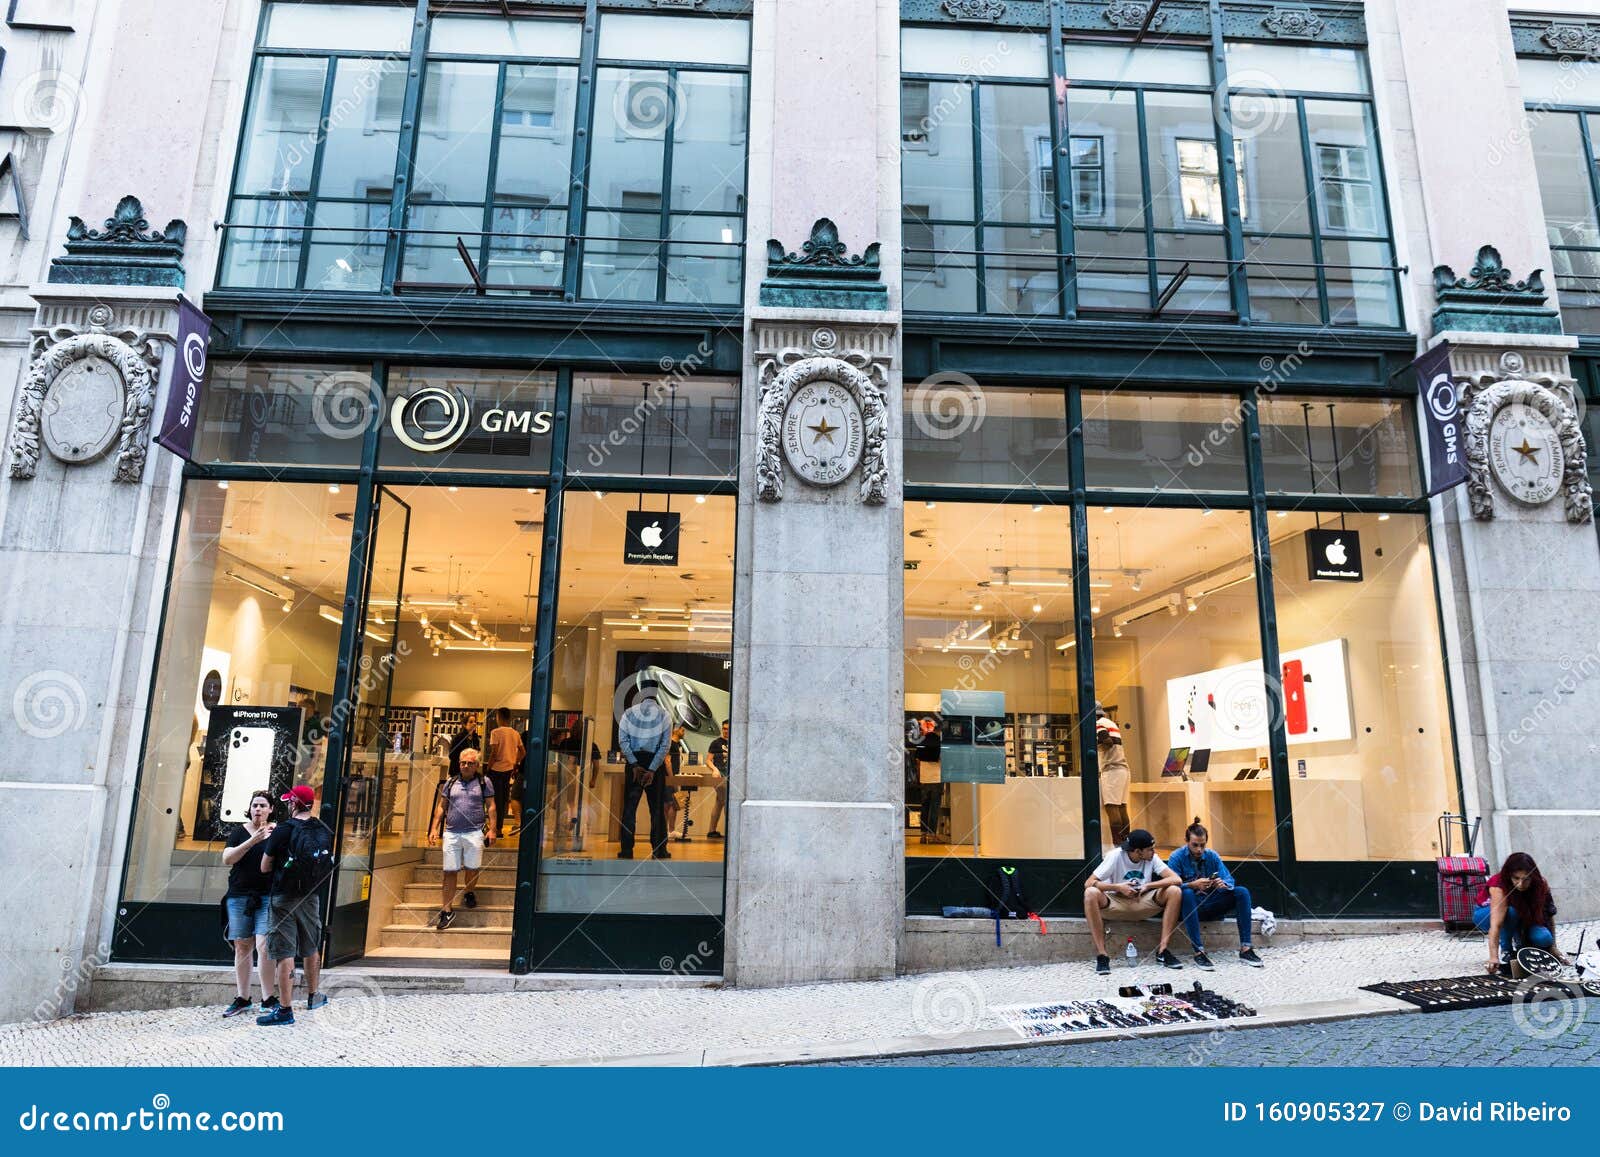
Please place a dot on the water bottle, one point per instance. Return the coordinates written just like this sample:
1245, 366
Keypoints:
1131, 952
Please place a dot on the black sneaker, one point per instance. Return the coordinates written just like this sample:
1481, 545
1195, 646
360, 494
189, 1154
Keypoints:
1203, 962
269, 1004
472, 899
445, 920
1102, 965
663, 854
240, 1004
315, 1001
278, 1016
1168, 959
1248, 955
624, 855
713, 835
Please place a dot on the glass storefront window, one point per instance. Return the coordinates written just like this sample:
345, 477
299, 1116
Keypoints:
1343, 447
1371, 761
627, 633
282, 414
338, 27
1190, 442
956, 433
252, 621
1177, 666
989, 614
468, 419
1567, 188
683, 428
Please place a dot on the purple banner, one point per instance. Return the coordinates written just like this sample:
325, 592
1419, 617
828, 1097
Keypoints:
1446, 424
186, 391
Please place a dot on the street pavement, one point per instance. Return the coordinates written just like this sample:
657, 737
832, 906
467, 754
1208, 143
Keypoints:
1482, 1036
367, 1023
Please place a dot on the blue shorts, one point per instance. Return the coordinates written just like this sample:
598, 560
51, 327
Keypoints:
244, 924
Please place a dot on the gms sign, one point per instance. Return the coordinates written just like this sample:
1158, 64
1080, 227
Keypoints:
435, 419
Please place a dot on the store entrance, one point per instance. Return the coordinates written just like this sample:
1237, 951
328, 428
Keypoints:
445, 674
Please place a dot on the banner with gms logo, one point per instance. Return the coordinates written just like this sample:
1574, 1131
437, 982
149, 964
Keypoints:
1441, 411
186, 390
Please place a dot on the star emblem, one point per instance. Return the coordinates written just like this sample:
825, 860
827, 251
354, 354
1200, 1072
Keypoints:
823, 430
1528, 452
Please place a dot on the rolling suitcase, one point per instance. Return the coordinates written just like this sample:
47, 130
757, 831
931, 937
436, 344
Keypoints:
1460, 877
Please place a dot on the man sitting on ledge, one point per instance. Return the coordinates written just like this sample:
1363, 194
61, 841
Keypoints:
1131, 883
1209, 893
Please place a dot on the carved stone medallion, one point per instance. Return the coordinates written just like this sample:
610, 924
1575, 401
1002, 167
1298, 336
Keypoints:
82, 412
823, 433
1525, 455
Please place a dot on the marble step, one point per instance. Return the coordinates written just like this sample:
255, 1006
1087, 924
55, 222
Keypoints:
483, 916
496, 857
487, 941
489, 895
499, 877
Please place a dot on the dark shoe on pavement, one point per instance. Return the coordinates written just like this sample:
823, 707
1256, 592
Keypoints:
713, 835
624, 855
315, 1001
663, 854
1203, 962
445, 919
1248, 955
240, 1004
276, 1017
472, 899
269, 1004
1102, 965
1168, 959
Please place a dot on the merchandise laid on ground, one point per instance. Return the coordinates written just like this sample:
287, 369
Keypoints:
1130, 1009
1480, 991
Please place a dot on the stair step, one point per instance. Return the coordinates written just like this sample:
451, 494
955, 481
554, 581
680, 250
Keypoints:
421, 915
489, 895
494, 877
495, 857
484, 940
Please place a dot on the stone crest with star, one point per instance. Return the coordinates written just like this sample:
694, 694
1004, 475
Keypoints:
822, 433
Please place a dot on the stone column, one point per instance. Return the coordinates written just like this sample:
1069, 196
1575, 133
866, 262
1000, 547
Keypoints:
816, 857
1520, 580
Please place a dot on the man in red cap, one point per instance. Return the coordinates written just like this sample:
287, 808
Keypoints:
299, 854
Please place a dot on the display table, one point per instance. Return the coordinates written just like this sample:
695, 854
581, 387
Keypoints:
1027, 817
1238, 814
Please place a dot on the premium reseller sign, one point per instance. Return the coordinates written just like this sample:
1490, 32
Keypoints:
1334, 556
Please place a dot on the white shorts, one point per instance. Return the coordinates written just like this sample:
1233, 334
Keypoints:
463, 850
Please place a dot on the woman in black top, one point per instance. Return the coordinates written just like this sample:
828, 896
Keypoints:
246, 902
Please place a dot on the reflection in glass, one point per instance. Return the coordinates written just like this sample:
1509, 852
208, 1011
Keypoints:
958, 433
1344, 447
679, 427
1184, 442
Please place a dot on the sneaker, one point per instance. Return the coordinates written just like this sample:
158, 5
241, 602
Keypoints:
624, 855
663, 854
472, 899
1203, 962
269, 1004
1102, 965
713, 835
1248, 955
240, 1004
1168, 959
277, 1016
445, 920
315, 1001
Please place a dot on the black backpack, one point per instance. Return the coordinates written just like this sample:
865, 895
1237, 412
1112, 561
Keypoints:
310, 859
1006, 896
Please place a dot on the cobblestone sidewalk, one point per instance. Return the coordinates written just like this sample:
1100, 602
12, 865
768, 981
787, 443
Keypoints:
362, 1025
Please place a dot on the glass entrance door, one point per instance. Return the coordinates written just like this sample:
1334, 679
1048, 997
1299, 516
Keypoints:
373, 797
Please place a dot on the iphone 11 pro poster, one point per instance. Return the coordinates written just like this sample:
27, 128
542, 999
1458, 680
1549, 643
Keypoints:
248, 749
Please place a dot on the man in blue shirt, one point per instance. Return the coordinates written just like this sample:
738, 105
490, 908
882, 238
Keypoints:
643, 734
1209, 893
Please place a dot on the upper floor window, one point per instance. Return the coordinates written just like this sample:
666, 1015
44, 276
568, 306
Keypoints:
1563, 99
509, 184
1135, 139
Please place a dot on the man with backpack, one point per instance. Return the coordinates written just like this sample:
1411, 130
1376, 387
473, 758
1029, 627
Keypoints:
299, 855
464, 815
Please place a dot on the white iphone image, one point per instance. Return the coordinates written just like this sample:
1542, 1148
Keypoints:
246, 768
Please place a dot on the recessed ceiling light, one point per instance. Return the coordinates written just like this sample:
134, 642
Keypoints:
700, 499
334, 488
977, 606
930, 505
222, 485
1037, 607
1383, 518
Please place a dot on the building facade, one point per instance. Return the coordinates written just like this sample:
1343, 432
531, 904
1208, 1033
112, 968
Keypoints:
887, 385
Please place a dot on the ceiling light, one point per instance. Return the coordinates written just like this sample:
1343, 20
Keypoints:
1283, 514
1138, 583
332, 615
700, 499
520, 648
1193, 606
977, 606
453, 489
930, 504
253, 585
533, 490
288, 605
1036, 509
413, 601
1383, 518
1116, 632
1207, 513
460, 630
1037, 608
1108, 510
333, 488
223, 485
1094, 607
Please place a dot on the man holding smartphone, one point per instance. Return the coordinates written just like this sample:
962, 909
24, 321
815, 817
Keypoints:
1132, 883
1209, 893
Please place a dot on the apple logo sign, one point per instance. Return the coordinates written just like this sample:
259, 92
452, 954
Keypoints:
651, 535
1336, 553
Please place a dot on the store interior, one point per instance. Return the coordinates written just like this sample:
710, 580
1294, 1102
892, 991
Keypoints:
449, 638
1177, 665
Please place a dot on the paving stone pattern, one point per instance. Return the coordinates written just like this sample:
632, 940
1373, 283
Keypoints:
1479, 1037
363, 1025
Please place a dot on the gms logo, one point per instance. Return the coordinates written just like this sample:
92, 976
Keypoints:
1444, 404
435, 419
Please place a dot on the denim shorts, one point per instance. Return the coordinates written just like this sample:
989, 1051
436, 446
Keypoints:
244, 923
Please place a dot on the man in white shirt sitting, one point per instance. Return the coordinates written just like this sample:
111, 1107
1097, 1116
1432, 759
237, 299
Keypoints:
1132, 883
